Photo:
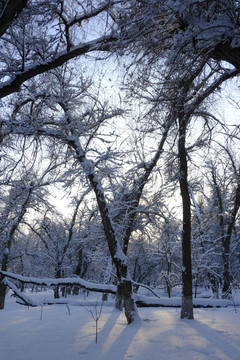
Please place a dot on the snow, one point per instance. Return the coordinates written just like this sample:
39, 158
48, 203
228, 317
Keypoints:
213, 335
61, 281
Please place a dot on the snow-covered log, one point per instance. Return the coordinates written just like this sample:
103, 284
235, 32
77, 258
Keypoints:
141, 300
25, 299
111, 289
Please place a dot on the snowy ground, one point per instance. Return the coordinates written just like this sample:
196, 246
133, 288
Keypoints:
160, 335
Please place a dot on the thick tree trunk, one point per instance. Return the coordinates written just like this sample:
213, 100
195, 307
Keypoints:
56, 292
226, 289
119, 298
57, 276
125, 292
3, 287
11, 10
187, 302
226, 242
3, 290
225, 52
107, 276
167, 278
124, 295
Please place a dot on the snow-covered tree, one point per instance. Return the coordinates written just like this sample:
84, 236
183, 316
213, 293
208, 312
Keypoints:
225, 202
179, 46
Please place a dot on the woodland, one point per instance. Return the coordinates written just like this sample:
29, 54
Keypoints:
119, 149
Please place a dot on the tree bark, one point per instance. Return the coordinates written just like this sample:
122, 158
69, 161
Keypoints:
187, 302
125, 292
226, 242
11, 10
3, 289
57, 276
226, 52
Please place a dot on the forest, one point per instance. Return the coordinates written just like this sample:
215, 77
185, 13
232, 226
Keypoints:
119, 149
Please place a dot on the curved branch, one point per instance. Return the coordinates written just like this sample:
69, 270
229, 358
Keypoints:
102, 44
111, 289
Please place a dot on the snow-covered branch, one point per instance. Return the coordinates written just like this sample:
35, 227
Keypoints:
104, 43
111, 289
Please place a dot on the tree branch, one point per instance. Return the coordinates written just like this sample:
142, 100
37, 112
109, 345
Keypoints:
10, 12
102, 44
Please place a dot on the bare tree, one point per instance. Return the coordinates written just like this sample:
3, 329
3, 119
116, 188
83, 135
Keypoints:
19, 197
76, 129
227, 201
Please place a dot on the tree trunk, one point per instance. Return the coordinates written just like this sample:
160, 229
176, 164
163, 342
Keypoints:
168, 282
118, 257
228, 53
125, 292
3, 290
107, 276
57, 276
11, 11
214, 281
226, 289
226, 242
187, 302
3, 287
119, 298
56, 292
